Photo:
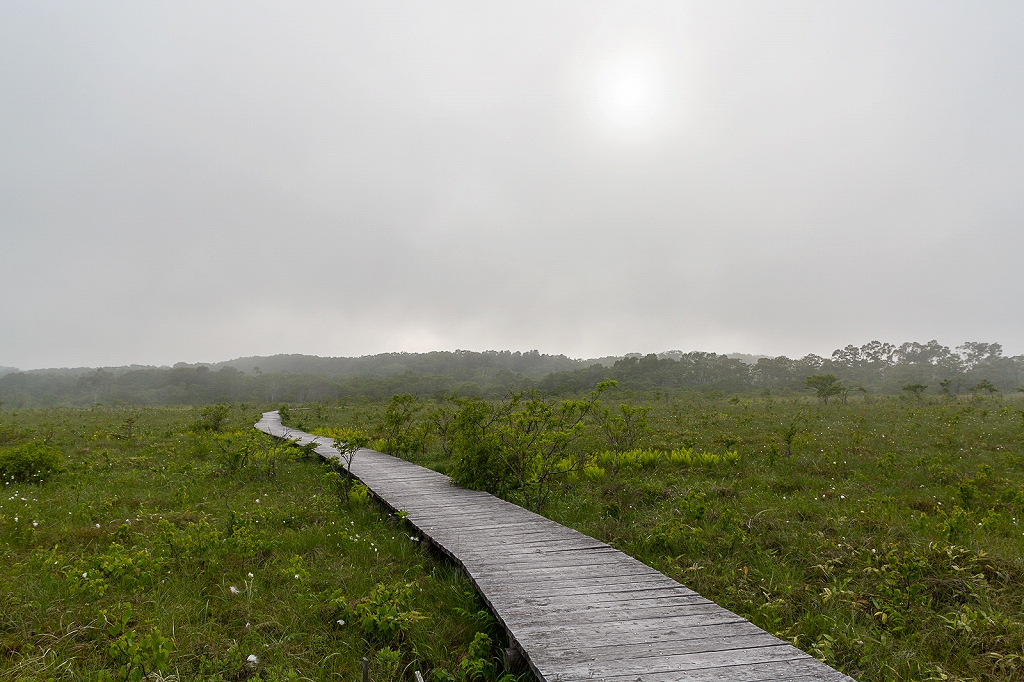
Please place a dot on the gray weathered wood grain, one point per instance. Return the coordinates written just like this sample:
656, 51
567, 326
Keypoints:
577, 608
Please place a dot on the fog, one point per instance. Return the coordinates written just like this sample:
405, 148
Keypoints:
200, 181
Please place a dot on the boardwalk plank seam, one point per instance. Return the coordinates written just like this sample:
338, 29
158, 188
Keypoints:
555, 589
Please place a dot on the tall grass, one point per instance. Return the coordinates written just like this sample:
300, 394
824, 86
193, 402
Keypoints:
211, 554
884, 536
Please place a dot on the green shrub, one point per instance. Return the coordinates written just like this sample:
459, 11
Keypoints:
211, 418
477, 449
387, 613
479, 663
191, 542
387, 661
636, 460
359, 494
33, 462
12, 434
130, 569
401, 433
251, 544
135, 657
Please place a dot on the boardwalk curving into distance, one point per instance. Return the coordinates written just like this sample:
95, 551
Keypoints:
578, 609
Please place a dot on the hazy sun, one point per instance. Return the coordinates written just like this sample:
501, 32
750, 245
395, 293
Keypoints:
627, 95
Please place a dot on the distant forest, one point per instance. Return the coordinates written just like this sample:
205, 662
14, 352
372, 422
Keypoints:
873, 368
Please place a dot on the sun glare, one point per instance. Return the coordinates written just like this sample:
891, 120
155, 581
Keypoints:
627, 96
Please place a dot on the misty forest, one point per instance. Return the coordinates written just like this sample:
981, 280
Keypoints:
874, 368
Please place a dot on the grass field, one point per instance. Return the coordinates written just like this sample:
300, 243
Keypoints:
176, 543
884, 536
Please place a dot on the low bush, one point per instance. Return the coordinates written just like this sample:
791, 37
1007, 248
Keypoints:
387, 613
636, 460
31, 462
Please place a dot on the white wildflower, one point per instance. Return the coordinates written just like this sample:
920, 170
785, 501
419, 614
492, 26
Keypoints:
234, 590
97, 525
296, 576
250, 575
85, 575
341, 622
252, 660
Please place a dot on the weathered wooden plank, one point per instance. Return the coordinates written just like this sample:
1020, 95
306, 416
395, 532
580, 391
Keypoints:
499, 514
507, 532
636, 630
579, 609
797, 670
588, 575
704, 633
506, 582
591, 590
527, 559
538, 546
534, 550
583, 669
583, 614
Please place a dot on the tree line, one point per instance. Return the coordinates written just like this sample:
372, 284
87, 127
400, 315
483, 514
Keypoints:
875, 367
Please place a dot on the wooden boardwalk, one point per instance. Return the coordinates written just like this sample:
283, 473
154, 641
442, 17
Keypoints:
577, 609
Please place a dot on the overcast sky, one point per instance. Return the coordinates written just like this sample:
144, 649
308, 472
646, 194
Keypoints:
200, 181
